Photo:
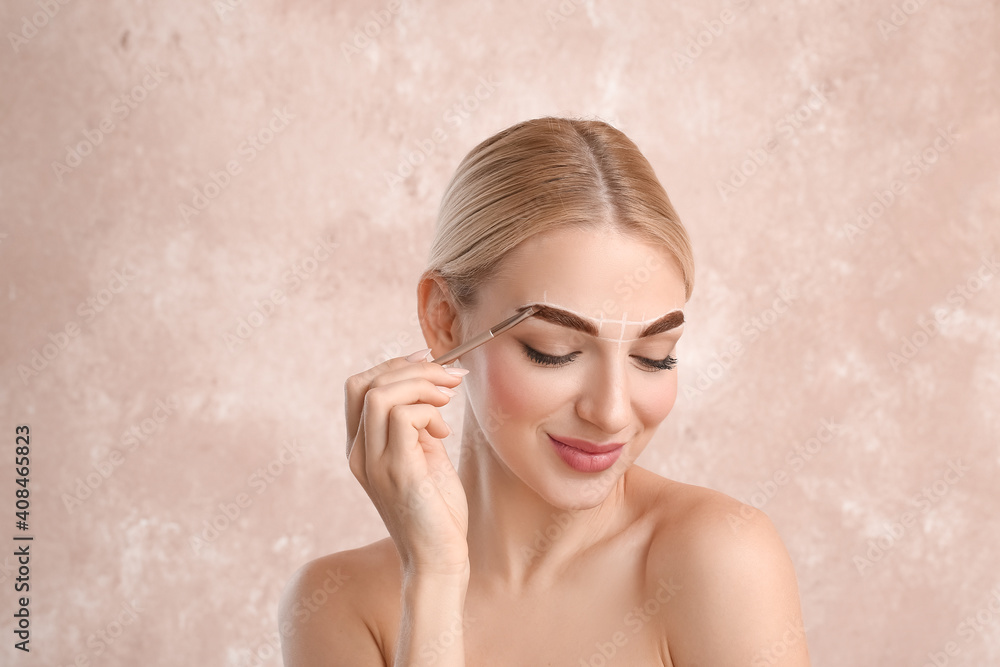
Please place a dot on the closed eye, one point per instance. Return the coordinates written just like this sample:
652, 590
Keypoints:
666, 364
548, 359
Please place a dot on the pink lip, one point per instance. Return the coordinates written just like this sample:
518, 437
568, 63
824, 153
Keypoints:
589, 447
586, 456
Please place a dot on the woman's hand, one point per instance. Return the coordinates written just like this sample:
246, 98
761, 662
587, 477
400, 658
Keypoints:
394, 448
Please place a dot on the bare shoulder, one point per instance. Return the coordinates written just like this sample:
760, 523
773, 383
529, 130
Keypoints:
691, 517
330, 609
730, 575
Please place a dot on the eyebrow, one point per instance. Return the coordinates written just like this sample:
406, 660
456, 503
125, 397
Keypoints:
565, 318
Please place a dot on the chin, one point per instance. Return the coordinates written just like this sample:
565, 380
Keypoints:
563, 486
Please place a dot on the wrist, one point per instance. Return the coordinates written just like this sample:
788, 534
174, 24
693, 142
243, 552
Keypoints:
443, 574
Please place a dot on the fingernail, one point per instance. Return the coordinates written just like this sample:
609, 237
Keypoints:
420, 355
456, 371
446, 391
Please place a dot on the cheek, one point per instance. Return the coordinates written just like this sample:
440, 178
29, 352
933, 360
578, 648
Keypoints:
508, 383
511, 387
657, 400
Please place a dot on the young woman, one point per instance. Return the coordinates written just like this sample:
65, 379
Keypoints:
548, 545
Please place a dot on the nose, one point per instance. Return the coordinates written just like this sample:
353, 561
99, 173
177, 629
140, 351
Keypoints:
606, 400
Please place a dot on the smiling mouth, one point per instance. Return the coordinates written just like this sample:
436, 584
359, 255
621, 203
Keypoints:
586, 446
582, 460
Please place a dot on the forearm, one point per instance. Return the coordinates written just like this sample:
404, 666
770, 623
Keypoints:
432, 624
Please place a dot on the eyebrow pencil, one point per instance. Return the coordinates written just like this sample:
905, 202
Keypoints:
494, 331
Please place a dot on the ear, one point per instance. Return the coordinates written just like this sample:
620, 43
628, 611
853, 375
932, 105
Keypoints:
439, 318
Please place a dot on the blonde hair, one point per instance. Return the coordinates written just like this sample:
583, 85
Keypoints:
545, 174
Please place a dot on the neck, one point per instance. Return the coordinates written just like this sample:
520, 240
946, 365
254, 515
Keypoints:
518, 539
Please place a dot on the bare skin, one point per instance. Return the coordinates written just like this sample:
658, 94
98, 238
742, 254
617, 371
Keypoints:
516, 558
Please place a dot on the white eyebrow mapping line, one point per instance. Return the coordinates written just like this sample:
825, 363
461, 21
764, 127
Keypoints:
600, 322
621, 336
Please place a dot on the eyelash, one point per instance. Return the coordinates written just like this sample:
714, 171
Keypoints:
548, 360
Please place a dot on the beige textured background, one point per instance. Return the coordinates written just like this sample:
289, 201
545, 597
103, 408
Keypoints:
839, 415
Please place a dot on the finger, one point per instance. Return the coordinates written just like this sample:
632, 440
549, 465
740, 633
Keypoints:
380, 400
388, 371
404, 461
436, 373
356, 459
357, 387
358, 384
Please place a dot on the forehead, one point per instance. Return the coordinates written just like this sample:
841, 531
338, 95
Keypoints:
603, 275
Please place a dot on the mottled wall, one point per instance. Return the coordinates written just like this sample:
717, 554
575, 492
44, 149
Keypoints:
213, 214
